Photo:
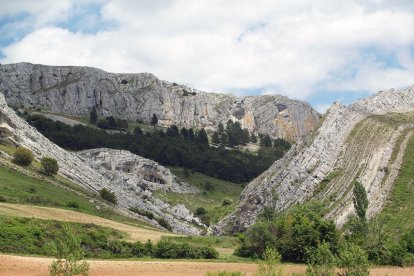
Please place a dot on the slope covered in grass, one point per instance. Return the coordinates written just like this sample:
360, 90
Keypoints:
398, 213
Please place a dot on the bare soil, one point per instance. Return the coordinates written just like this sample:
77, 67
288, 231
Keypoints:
135, 233
37, 266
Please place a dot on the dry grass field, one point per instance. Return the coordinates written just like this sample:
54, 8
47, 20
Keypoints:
135, 233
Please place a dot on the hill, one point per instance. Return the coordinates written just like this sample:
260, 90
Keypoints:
364, 142
75, 90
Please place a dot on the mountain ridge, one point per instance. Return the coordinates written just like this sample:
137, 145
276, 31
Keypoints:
75, 90
353, 143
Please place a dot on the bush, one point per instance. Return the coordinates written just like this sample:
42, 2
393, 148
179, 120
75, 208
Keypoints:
322, 261
162, 222
353, 261
227, 201
200, 211
49, 166
23, 156
144, 213
108, 195
168, 250
270, 266
72, 204
67, 249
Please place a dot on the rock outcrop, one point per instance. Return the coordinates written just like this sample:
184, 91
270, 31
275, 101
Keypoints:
363, 142
104, 168
123, 168
75, 90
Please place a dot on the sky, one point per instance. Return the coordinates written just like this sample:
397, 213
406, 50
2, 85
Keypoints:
319, 51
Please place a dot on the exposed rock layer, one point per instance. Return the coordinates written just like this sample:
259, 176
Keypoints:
362, 142
105, 168
74, 90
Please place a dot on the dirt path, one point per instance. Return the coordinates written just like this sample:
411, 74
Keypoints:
36, 266
59, 118
135, 233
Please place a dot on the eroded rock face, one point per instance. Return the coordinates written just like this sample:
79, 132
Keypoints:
108, 169
125, 168
75, 90
354, 143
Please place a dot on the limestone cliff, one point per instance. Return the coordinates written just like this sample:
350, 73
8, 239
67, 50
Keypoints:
131, 177
75, 90
363, 142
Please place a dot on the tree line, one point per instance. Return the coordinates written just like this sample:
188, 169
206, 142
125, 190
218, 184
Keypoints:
183, 147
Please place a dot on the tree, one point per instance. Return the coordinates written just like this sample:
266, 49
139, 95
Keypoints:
202, 137
360, 201
220, 128
215, 139
265, 141
23, 156
68, 251
138, 131
49, 166
253, 138
321, 261
224, 139
154, 120
93, 116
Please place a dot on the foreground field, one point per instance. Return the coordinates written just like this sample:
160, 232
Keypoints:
135, 233
35, 266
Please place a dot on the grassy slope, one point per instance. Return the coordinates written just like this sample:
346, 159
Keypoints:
210, 200
16, 187
398, 212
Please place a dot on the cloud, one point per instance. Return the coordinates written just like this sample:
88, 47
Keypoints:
294, 48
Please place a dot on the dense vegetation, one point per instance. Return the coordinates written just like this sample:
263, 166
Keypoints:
174, 147
301, 235
29, 236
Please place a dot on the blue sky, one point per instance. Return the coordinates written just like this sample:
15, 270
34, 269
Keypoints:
319, 51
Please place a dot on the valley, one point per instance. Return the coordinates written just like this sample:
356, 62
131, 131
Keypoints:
218, 183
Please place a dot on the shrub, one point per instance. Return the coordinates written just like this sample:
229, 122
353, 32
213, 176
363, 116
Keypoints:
168, 250
108, 195
227, 201
353, 261
322, 261
200, 211
67, 249
162, 222
49, 166
144, 213
23, 156
270, 266
208, 186
72, 204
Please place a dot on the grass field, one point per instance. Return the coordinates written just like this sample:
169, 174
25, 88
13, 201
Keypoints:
18, 188
212, 194
133, 232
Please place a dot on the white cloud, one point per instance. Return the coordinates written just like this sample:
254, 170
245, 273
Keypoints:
287, 47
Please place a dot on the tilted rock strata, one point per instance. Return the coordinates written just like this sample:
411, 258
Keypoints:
74, 90
125, 168
79, 170
354, 143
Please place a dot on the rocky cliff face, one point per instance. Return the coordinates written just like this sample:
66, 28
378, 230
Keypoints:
131, 177
363, 142
75, 90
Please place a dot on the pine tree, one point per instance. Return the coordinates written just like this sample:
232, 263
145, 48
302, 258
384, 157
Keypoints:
93, 116
215, 138
154, 120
